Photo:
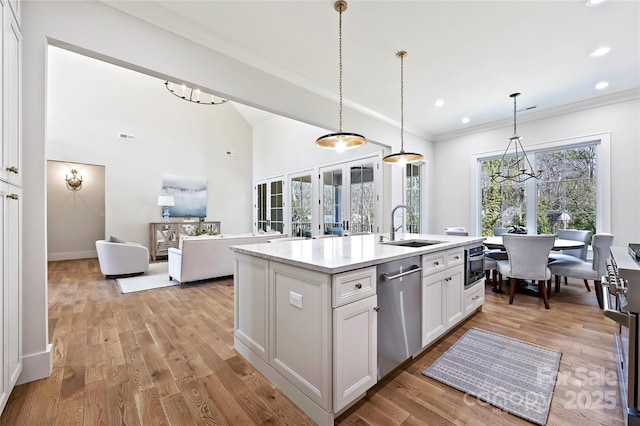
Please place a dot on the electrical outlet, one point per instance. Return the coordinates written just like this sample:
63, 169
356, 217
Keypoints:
295, 299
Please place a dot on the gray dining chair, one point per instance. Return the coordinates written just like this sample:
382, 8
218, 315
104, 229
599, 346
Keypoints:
499, 230
491, 258
528, 259
456, 230
580, 253
574, 267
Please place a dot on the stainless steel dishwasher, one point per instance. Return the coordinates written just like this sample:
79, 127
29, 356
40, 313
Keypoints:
399, 316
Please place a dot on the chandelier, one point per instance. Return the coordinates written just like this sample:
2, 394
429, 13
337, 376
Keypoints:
342, 140
193, 95
515, 168
401, 158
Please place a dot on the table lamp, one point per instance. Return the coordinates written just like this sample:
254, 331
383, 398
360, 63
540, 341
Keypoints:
165, 201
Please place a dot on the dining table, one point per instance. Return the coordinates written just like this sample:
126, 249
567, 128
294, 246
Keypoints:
558, 244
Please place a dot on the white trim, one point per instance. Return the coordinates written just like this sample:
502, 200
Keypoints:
603, 173
69, 255
36, 366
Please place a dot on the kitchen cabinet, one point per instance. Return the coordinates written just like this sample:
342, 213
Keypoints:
11, 294
355, 335
442, 293
285, 316
474, 297
306, 313
11, 303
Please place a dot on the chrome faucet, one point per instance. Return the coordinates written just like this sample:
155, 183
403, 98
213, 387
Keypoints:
392, 234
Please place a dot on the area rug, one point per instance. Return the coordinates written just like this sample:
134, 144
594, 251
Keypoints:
515, 376
156, 277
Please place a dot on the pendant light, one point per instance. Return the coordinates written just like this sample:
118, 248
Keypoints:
342, 140
401, 158
515, 168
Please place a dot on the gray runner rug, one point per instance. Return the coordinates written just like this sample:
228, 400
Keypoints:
515, 376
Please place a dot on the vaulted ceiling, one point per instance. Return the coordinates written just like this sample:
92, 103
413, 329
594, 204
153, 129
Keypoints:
470, 54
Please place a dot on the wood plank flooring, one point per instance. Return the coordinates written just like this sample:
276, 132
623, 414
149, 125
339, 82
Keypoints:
166, 357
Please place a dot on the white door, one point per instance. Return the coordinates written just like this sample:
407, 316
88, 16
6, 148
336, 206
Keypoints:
301, 196
350, 197
268, 209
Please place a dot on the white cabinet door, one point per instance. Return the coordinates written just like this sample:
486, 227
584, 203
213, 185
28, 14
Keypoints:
300, 330
251, 286
5, 389
11, 99
433, 308
355, 343
453, 295
11, 297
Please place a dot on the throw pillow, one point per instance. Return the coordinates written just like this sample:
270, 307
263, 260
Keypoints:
114, 239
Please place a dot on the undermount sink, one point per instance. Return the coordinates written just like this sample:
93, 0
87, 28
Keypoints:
412, 243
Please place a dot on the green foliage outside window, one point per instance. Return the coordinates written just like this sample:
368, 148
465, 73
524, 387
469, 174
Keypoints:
565, 193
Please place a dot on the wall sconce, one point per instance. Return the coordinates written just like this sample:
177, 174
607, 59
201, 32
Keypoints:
74, 183
165, 201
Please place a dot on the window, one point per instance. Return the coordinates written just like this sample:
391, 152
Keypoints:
269, 206
301, 211
413, 188
564, 197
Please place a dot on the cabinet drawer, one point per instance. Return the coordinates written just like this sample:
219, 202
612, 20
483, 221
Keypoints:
434, 262
353, 285
473, 297
455, 257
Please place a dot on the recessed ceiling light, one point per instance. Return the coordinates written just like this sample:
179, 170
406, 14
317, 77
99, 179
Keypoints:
591, 3
465, 120
602, 85
601, 51
439, 103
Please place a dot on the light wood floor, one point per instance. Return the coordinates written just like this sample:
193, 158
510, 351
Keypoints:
166, 357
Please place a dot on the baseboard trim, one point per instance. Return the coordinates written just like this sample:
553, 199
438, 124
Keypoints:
36, 366
71, 255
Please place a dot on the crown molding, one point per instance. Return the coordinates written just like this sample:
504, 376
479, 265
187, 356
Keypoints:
599, 101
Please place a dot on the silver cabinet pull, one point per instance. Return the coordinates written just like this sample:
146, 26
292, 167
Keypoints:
358, 286
376, 308
13, 196
12, 169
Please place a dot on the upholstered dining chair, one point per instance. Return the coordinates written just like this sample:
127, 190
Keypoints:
574, 267
499, 230
528, 259
456, 230
581, 253
491, 258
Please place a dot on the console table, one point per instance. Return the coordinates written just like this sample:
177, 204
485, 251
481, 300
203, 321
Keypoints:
167, 234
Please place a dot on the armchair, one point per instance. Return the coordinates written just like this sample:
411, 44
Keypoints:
122, 258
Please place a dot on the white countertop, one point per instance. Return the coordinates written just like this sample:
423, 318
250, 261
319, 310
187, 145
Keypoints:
340, 254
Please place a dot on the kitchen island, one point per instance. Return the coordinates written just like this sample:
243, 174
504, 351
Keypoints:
306, 311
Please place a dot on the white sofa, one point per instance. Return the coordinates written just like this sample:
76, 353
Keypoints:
208, 256
122, 258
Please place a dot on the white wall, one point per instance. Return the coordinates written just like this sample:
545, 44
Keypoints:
90, 102
455, 197
75, 219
